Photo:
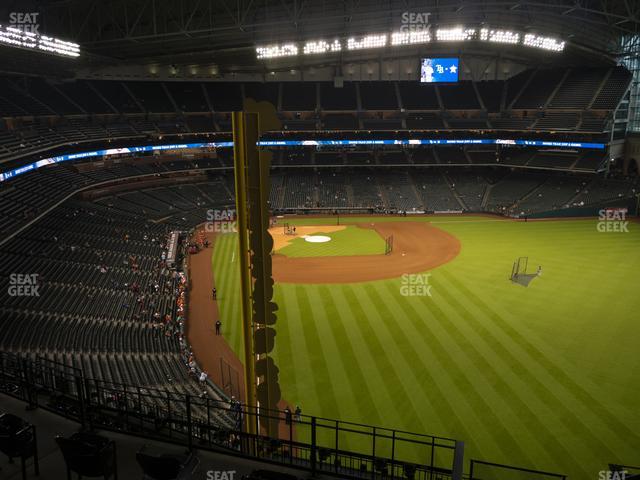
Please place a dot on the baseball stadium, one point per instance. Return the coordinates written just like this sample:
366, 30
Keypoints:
298, 239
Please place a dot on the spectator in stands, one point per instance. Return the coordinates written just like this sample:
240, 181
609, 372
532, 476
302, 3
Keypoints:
218, 325
287, 416
203, 377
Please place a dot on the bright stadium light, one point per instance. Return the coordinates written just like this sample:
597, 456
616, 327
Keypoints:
499, 36
370, 41
457, 34
545, 43
410, 38
277, 51
15, 37
413, 37
321, 46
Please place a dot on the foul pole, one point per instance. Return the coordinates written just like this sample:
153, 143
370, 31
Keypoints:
242, 136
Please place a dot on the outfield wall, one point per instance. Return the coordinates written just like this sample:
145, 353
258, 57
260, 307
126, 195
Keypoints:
589, 211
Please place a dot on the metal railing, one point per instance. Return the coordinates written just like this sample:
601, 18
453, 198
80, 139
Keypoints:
315, 444
480, 470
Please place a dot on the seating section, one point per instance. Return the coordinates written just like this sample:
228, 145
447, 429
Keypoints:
557, 121
416, 96
553, 159
435, 192
106, 302
539, 89
467, 123
470, 188
613, 90
507, 192
343, 98
424, 121
386, 124
24, 198
340, 121
399, 191
435, 189
461, 96
555, 193
574, 89
267, 92
578, 88
152, 96
51, 114
83, 94
224, 97
378, 96
491, 93
188, 96
602, 190
299, 96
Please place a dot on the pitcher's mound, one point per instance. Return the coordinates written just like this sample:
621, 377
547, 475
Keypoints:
316, 238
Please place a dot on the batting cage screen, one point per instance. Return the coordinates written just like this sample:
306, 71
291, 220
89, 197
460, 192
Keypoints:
519, 267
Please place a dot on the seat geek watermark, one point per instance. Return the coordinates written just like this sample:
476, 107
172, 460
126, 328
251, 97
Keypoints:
613, 220
23, 285
25, 21
607, 475
415, 285
221, 221
414, 22
221, 475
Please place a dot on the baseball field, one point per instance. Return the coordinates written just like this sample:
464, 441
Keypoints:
435, 338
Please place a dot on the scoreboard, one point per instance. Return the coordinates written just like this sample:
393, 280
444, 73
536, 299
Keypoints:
438, 70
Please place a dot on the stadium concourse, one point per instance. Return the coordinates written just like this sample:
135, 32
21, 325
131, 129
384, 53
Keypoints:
421, 151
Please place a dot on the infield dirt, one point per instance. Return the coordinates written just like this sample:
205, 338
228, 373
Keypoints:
417, 247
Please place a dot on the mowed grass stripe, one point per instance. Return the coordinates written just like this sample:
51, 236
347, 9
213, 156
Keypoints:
563, 380
443, 395
542, 388
368, 323
398, 349
358, 333
426, 397
465, 380
283, 351
318, 361
326, 344
366, 401
508, 390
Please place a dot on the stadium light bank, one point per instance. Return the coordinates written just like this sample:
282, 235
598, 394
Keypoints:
417, 37
14, 37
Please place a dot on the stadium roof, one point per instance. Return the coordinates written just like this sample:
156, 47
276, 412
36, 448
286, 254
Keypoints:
226, 32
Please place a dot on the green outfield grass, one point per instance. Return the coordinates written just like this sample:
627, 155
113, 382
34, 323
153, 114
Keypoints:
352, 240
542, 377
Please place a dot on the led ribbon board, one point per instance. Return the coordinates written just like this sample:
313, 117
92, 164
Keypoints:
297, 143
